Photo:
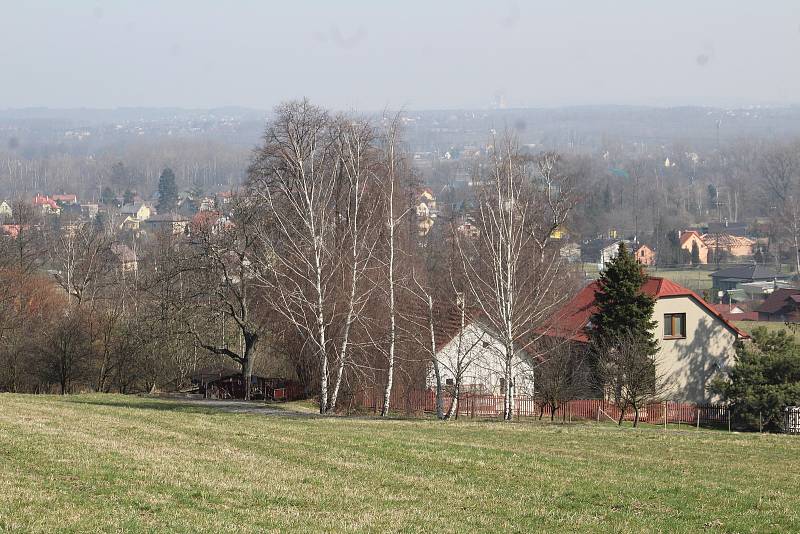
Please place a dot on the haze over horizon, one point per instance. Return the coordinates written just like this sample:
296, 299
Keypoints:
365, 56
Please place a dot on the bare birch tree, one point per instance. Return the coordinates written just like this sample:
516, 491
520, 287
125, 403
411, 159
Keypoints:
514, 274
315, 177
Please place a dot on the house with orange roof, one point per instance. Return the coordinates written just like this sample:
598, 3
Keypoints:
695, 340
66, 198
644, 254
732, 245
47, 205
689, 239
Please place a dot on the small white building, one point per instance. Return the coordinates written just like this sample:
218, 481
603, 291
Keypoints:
477, 355
5, 210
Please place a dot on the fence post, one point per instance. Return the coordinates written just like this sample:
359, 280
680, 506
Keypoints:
697, 409
760, 426
472, 408
598, 414
729, 418
665, 415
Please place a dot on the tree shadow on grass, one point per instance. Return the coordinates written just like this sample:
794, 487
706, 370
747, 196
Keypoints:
145, 404
194, 406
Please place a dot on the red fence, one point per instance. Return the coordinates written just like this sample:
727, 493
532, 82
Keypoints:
473, 405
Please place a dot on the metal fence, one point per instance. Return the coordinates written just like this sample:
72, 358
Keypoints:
791, 424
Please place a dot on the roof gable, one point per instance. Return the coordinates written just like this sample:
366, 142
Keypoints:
571, 320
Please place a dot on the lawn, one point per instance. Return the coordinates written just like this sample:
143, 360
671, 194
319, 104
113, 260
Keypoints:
111, 463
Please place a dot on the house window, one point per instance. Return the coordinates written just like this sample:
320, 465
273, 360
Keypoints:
449, 382
674, 325
486, 344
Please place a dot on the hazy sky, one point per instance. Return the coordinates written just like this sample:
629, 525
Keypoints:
416, 54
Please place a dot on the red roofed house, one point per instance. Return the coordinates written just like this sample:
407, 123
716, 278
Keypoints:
46, 204
689, 238
782, 305
695, 340
66, 199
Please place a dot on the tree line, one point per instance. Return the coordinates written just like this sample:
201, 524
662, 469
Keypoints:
316, 269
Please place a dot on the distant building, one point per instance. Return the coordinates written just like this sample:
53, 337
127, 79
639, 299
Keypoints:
600, 251
691, 238
644, 254
571, 252
731, 228
169, 222
65, 199
732, 277
47, 205
5, 210
10, 230
782, 305
90, 211
139, 210
732, 245
125, 256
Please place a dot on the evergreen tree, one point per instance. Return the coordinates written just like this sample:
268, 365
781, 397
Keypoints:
167, 192
128, 197
108, 196
623, 311
695, 253
764, 380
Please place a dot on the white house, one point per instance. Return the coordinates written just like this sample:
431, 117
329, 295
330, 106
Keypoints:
477, 355
5, 210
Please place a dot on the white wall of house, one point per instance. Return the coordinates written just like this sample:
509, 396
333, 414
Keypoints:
690, 363
484, 352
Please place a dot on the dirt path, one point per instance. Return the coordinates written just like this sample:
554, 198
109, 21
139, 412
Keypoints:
241, 406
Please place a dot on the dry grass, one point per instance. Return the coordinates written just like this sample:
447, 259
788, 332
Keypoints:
111, 463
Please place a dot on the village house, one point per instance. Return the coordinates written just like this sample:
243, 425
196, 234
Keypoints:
695, 341
126, 257
90, 210
644, 254
426, 201
47, 205
733, 278
782, 305
480, 354
133, 215
169, 222
691, 238
467, 228
10, 230
600, 251
730, 245
5, 210
65, 199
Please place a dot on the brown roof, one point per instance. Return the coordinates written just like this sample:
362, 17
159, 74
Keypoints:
778, 299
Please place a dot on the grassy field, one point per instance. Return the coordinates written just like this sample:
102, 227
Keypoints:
111, 463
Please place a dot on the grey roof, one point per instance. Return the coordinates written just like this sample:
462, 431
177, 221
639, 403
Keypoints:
166, 217
131, 209
748, 272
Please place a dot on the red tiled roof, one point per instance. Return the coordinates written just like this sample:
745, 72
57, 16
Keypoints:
570, 321
39, 200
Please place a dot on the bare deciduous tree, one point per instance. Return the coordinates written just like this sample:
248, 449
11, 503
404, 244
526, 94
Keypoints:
514, 274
